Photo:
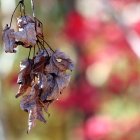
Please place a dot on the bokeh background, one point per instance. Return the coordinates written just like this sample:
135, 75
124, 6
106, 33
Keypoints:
102, 37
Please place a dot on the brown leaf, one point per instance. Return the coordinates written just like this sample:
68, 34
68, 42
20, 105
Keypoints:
29, 101
46, 85
61, 82
51, 68
34, 114
25, 77
39, 62
27, 35
59, 62
32, 104
62, 61
21, 90
24, 20
9, 40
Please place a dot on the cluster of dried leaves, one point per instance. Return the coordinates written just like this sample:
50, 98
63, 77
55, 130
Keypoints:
25, 36
41, 79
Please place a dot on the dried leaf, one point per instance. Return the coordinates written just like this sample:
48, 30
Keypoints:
51, 68
24, 78
29, 101
32, 104
39, 62
21, 90
46, 85
34, 114
27, 35
41, 54
62, 61
59, 62
24, 20
61, 82
9, 40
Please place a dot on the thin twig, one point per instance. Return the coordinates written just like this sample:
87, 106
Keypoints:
46, 43
21, 3
42, 46
14, 13
29, 53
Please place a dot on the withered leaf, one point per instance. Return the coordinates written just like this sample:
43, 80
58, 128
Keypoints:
41, 54
27, 35
59, 61
46, 84
24, 77
9, 40
62, 61
21, 90
28, 101
61, 82
51, 68
32, 104
39, 62
24, 20
34, 114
